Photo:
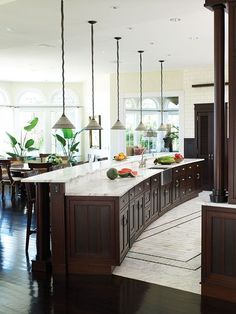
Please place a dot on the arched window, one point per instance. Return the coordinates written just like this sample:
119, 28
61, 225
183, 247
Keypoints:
4, 101
70, 98
31, 98
151, 117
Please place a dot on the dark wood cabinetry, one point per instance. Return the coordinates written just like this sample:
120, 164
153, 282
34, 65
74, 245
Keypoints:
100, 230
124, 232
155, 195
166, 197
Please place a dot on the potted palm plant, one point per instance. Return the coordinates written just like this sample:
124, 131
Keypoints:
69, 143
26, 144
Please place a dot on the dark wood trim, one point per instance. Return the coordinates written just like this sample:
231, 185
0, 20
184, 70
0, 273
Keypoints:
58, 223
42, 261
206, 85
218, 193
232, 101
219, 252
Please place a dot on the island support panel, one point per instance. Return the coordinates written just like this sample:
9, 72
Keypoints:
219, 252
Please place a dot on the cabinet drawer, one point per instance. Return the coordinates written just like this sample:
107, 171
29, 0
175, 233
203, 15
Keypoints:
124, 200
131, 194
138, 189
147, 184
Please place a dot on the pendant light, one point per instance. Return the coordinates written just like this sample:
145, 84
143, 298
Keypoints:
93, 124
63, 122
118, 125
162, 127
141, 126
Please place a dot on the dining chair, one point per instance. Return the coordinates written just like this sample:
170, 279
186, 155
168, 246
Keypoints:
30, 204
40, 166
6, 177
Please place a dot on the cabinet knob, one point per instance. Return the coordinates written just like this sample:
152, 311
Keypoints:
197, 166
176, 171
140, 189
190, 177
147, 183
183, 179
155, 180
155, 193
189, 167
198, 175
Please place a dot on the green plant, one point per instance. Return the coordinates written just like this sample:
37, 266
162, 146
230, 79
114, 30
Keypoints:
25, 145
68, 143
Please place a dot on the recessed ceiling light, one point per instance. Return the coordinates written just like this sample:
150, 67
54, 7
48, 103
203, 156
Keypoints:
152, 43
169, 55
130, 28
115, 7
175, 19
193, 38
9, 29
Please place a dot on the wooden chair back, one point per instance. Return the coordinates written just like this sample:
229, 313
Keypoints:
41, 166
5, 172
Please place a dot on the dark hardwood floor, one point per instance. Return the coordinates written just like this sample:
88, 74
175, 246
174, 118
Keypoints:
20, 292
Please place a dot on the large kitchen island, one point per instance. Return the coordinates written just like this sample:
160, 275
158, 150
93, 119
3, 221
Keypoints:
86, 223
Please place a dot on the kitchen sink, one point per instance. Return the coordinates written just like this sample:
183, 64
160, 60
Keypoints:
158, 167
166, 176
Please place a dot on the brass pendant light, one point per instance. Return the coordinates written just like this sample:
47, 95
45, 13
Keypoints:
93, 124
141, 126
63, 122
162, 127
118, 125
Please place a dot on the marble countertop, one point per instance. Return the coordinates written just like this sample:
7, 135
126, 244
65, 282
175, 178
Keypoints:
91, 179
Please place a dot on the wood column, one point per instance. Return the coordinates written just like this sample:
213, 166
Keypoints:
219, 193
43, 256
232, 101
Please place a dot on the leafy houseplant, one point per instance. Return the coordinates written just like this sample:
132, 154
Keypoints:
69, 144
25, 145
171, 134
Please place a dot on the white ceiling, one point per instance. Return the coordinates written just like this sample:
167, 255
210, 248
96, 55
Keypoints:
30, 36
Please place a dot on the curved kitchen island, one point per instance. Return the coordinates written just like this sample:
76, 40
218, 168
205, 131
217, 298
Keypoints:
94, 221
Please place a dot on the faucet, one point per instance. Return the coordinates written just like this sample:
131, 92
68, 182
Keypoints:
142, 162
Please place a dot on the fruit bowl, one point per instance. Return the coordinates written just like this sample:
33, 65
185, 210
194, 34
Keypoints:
179, 160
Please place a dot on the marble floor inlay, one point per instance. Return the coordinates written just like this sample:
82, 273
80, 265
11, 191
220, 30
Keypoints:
168, 252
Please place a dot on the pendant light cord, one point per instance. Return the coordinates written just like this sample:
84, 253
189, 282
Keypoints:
92, 62
63, 57
117, 76
141, 84
161, 61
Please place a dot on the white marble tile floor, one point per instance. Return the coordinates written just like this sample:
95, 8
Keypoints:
168, 252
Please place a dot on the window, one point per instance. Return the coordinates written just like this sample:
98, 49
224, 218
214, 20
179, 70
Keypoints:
152, 119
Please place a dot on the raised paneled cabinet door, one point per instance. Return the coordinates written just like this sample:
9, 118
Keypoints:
139, 213
124, 232
166, 197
